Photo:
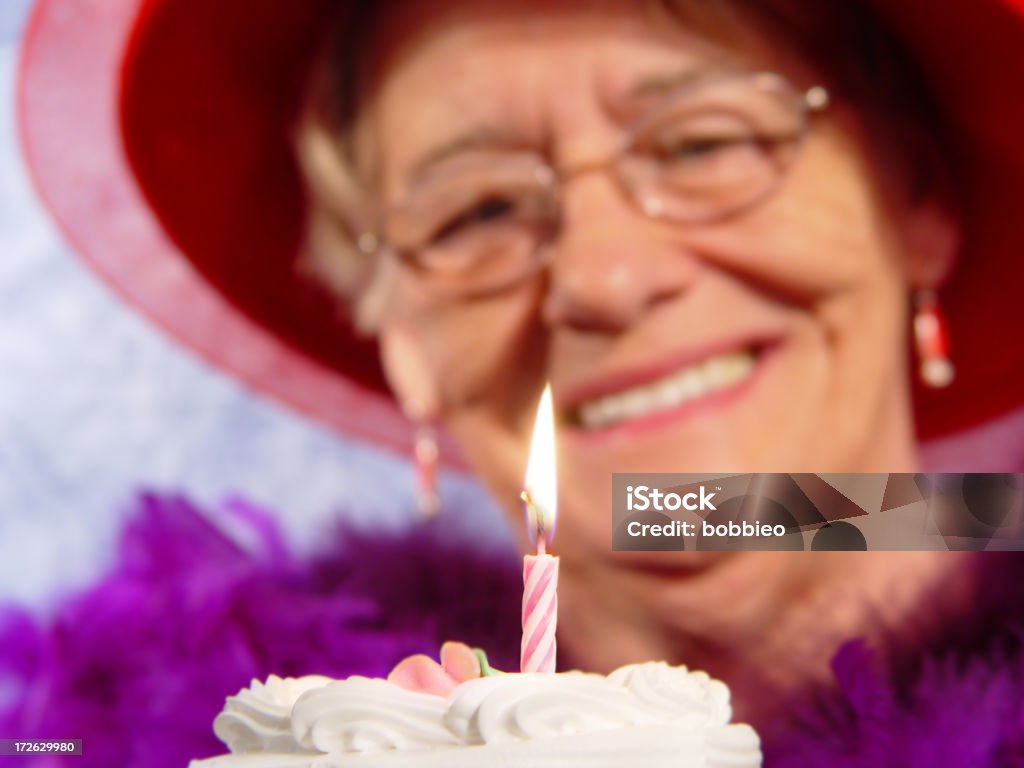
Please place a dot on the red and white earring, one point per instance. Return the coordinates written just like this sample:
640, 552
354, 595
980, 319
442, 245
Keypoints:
425, 454
931, 339
410, 377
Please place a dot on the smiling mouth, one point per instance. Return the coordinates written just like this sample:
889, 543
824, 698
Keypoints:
680, 387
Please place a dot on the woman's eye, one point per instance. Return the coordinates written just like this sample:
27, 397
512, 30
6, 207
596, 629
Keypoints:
484, 212
491, 209
695, 149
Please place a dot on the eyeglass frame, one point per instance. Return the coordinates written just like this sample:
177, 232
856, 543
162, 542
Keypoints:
810, 101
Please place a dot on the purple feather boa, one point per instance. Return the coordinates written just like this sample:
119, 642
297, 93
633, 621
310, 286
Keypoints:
139, 664
955, 699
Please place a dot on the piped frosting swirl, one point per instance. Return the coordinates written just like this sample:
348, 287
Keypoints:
643, 709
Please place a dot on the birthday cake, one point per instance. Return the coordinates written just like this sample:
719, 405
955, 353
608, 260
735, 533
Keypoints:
644, 714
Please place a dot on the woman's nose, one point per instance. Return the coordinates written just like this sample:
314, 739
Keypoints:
610, 264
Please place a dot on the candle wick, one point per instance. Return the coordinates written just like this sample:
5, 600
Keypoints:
538, 519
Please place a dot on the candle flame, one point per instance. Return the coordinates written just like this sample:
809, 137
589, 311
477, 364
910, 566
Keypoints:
541, 492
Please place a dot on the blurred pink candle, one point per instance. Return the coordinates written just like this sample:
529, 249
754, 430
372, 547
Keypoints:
540, 571
540, 611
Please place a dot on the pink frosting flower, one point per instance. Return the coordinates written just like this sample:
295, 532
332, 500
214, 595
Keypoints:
421, 673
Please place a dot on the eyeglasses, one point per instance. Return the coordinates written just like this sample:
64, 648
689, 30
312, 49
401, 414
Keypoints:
481, 221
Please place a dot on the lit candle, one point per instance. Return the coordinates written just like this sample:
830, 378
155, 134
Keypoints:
540, 571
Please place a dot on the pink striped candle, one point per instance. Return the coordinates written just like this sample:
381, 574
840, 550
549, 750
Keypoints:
540, 612
540, 571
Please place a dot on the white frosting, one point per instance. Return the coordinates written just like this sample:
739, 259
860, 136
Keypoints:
259, 717
364, 715
643, 714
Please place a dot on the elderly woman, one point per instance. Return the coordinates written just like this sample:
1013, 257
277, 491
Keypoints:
661, 209
714, 227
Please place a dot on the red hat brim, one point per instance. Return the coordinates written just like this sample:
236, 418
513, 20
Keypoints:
158, 135
224, 147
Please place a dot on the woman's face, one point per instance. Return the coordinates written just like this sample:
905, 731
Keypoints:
786, 321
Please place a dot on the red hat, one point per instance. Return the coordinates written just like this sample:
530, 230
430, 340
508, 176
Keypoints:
157, 132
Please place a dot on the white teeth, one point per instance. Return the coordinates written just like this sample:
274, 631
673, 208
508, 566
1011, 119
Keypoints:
689, 383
